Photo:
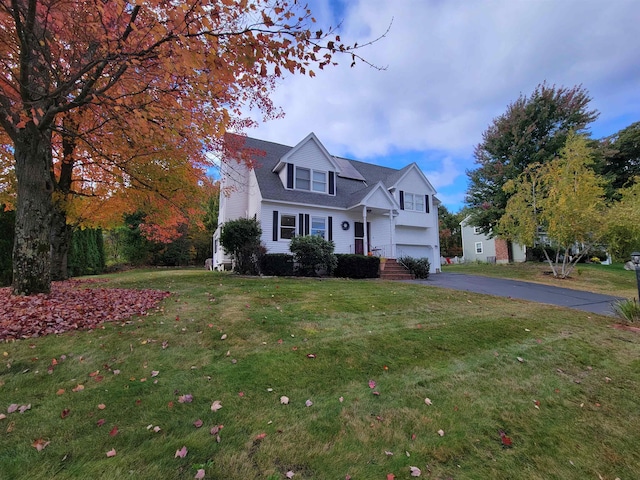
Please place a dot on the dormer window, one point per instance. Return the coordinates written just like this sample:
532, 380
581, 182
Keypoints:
310, 180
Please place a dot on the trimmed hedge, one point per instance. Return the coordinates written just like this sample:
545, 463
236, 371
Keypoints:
357, 266
418, 266
277, 264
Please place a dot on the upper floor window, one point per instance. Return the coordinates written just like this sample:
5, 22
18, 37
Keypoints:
303, 178
414, 202
477, 230
313, 180
319, 181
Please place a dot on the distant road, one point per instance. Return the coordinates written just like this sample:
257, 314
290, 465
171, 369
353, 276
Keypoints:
533, 292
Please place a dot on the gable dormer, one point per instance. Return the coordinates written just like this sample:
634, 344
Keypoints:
308, 167
413, 191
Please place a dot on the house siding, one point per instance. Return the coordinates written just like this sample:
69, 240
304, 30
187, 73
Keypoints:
492, 248
376, 201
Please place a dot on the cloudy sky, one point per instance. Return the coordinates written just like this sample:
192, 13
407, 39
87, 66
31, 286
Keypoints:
451, 67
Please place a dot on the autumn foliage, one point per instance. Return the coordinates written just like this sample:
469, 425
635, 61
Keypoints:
108, 106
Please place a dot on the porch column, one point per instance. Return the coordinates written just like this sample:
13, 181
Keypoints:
364, 221
392, 236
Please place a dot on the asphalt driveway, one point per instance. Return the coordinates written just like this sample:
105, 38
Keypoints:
533, 292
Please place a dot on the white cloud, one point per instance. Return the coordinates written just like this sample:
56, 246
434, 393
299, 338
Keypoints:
454, 66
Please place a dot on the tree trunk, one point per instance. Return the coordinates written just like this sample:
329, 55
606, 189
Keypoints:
31, 250
61, 235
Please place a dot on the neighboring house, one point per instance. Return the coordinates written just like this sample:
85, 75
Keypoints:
476, 246
304, 190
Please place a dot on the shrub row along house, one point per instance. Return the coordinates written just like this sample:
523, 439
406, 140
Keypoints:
303, 190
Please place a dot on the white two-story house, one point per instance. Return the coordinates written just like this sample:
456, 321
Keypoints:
304, 190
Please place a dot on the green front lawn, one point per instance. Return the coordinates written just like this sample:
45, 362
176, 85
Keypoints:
562, 386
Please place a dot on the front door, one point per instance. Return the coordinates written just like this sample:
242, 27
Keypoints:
358, 234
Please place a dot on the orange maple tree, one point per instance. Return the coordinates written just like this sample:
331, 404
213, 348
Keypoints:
98, 96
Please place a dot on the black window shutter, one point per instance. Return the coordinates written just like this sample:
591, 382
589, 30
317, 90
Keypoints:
332, 183
306, 224
289, 175
301, 224
401, 200
426, 203
275, 225
330, 228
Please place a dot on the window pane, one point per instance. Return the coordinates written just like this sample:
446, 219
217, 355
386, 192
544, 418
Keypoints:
408, 201
287, 226
303, 178
319, 181
318, 226
419, 203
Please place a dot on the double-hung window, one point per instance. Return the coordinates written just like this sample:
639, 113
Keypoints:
287, 227
478, 247
319, 226
311, 180
303, 178
413, 202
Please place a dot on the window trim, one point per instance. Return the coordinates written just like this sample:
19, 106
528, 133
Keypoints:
477, 231
478, 247
409, 199
312, 182
289, 227
325, 229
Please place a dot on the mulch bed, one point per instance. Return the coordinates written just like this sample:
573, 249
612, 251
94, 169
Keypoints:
71, 306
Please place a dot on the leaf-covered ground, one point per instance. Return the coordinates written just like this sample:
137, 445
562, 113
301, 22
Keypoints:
71, 305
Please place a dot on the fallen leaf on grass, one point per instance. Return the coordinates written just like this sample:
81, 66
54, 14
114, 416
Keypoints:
111, 453
155, 373
216, 405
2, 416
520, 359
199, 473
114, 431
40, 444
284, 400
60, 391
372, 384
308, 403
260, 436
24, 408
390, 476
65, 413
102, 406
78, 388
427, 401
289, 474
187, 398
441, 432
181, 453
415, 471
506, 441
198, 423
100, 422
13, 408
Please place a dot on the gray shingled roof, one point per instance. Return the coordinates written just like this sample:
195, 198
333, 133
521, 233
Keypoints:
349, 192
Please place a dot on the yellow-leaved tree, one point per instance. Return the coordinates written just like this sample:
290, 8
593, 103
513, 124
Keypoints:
559, 204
